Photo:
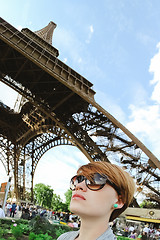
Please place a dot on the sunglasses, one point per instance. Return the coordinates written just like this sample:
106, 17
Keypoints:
96, 183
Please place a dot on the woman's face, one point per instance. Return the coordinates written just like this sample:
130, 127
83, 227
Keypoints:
88, 203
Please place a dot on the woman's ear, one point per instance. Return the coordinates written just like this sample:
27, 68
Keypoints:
119, 203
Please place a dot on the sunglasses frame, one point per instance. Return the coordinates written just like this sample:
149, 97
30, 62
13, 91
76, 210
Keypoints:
105, 177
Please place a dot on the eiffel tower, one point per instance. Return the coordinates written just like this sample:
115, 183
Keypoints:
56, 106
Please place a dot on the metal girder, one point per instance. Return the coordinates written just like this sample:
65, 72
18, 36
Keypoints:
59, 108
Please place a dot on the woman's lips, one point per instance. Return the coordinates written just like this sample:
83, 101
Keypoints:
78, 196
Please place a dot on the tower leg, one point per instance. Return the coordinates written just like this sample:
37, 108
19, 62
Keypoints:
16, 173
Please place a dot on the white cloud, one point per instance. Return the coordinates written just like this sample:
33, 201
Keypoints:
57, 167
145, 119
91, 31
71, 46
3, 175
65, 60
145, 122
155, 69
19, 28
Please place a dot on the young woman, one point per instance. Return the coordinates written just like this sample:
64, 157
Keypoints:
101, 192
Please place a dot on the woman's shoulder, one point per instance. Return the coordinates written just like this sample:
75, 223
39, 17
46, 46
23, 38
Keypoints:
108, 234
69, 235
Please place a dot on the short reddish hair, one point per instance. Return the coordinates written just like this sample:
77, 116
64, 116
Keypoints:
118, 176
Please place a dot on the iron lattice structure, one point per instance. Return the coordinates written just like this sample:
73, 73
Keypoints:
57, 107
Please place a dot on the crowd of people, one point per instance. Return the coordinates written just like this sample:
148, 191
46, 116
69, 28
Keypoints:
141, 232
26, 211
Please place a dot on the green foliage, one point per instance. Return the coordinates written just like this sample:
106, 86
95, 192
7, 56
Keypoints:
16, 231
25, 228
57, 204
41, 225
68, 196
3, 232
43, 195
39, 229
122, 238
7, 221
59, 231
33, 236
149, 204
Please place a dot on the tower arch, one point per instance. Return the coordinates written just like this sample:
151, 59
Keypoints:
58, 94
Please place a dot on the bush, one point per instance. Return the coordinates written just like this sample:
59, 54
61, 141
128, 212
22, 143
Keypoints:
59, 231
122, 238
11, 238
3, 232
33, 236
41, 225
6, 223
39, 229
16, 231
25, 228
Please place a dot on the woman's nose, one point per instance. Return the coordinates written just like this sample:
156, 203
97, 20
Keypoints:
81, 186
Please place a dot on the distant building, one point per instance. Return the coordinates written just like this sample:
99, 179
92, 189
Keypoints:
142, 216
3, 187
2, 192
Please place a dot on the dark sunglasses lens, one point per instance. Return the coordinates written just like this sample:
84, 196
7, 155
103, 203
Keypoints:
72, 183
93, 186
97, 182
75, 180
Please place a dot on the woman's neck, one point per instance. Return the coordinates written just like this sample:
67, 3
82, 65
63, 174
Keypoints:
92, 228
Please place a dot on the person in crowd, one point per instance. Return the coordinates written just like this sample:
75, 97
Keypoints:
157, 234
146, 229
2, 214
27, 210
144, 236
66, 217
75, 223
139, 237
101, 191
132, 235
131, 229
43, 212
25, 215
126, 229
9, 207
70, 217
33, 213
13, 210
70, 223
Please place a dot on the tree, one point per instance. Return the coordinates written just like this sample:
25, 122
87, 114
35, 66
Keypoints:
57, 204
68, 196
43, 195
27, 196
148, 204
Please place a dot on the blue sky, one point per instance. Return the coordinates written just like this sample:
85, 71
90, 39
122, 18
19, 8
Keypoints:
115, 45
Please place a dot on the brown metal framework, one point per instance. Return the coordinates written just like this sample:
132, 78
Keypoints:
59, 108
